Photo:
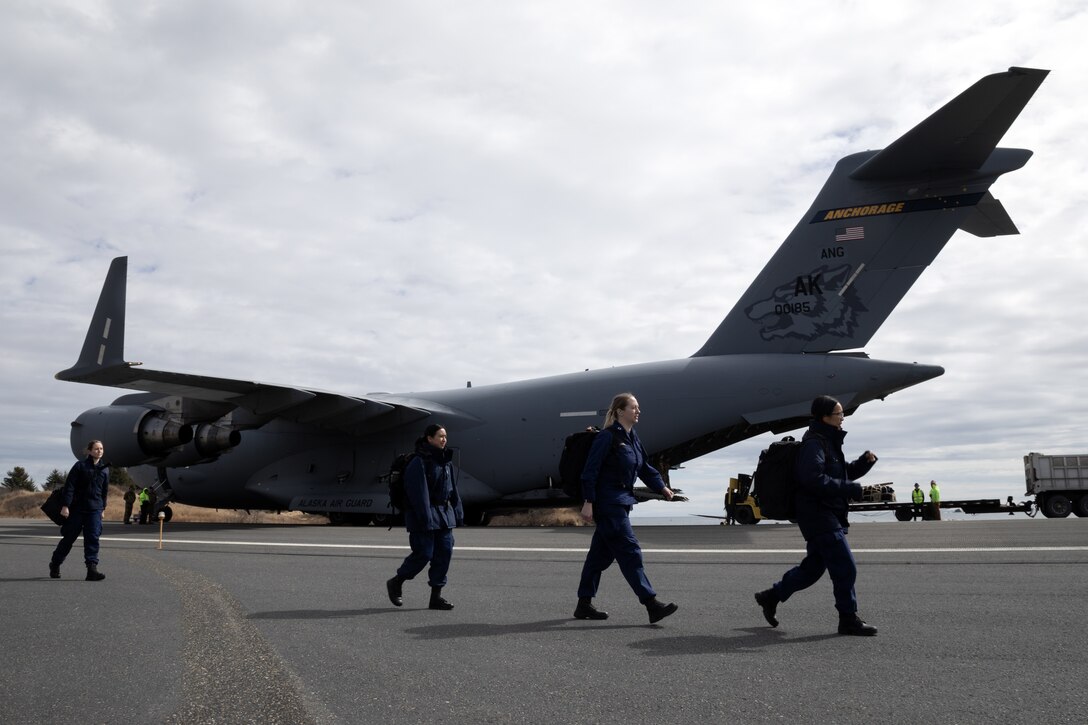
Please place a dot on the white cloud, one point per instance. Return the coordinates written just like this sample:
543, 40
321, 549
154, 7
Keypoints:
304, 189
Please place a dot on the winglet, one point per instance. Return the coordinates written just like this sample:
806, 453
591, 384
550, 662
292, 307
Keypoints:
962, 134
104, 346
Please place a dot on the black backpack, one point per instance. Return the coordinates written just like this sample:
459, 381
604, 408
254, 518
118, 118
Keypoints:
398, 500
775, 479
573, 459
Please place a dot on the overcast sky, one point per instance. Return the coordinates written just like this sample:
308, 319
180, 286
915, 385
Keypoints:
406, 196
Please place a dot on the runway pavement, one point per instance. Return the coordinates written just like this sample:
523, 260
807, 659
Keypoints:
980, 622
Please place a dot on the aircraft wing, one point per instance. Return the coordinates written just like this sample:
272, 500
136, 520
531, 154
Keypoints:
101, 362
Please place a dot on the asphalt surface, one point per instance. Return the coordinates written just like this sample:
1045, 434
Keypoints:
980, 622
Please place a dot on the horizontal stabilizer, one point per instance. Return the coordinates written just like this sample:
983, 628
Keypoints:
961, 135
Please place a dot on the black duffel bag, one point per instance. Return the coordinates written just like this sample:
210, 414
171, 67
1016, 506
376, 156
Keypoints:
53, 505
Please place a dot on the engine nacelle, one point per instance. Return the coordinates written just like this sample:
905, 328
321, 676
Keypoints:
131, 434
209, 442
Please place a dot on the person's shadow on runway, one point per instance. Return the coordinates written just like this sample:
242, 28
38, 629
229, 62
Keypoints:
749, 639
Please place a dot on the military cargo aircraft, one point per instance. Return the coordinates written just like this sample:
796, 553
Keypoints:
878, 222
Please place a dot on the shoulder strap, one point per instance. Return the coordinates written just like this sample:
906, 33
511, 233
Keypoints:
824, 443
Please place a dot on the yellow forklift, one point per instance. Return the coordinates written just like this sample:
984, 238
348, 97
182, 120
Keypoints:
876, 497
739, 496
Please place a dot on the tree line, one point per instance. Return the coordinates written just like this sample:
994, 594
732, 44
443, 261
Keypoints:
17, 479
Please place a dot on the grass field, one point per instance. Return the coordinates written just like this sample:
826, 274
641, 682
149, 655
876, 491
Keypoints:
27, 505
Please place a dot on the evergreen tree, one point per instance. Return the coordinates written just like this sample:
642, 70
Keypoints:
119, 477
18, 480
55, 480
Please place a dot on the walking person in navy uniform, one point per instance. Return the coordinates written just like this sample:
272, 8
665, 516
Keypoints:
84, 499
434, 511
825, 485
615, 460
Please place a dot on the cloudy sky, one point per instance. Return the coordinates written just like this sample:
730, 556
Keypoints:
407, 196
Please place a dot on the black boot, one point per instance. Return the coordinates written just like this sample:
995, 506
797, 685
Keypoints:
852, 624
54, 571
93, 575
659, 611
437, 602
586, 610
768, 599
392, 587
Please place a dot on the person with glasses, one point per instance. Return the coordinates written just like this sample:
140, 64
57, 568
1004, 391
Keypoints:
825, 485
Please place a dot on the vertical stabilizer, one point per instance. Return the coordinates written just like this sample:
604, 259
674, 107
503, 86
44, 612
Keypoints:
881, 218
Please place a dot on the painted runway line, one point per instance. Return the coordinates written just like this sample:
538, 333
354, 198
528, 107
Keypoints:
559, 550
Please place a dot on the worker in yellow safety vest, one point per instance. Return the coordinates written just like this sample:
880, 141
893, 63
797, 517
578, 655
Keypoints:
935, 500
917, 497
145, 506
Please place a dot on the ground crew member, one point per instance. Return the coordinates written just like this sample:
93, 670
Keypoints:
130, 498
935, 500
145, 506
917, 496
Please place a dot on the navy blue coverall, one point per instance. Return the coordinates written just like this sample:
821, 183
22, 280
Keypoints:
615, 460
85, 492
434, 510
825, 487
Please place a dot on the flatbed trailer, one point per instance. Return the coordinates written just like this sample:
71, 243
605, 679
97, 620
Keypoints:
904, 510
746, 506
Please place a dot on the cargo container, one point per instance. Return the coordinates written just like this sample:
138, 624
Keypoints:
1058, 483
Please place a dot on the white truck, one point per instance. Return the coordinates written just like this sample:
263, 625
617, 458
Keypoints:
1059, 484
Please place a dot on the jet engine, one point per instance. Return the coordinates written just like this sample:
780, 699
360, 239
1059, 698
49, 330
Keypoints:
209, 441
132, 434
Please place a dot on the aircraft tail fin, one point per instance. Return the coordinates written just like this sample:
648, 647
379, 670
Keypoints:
104, 346
881, 218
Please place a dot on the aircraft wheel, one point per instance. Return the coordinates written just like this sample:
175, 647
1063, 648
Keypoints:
745, 515
337, 518
1056, 506
903, 514
1080, 508
167, 514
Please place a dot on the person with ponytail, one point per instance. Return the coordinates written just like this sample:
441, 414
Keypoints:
615, 460
83, 501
